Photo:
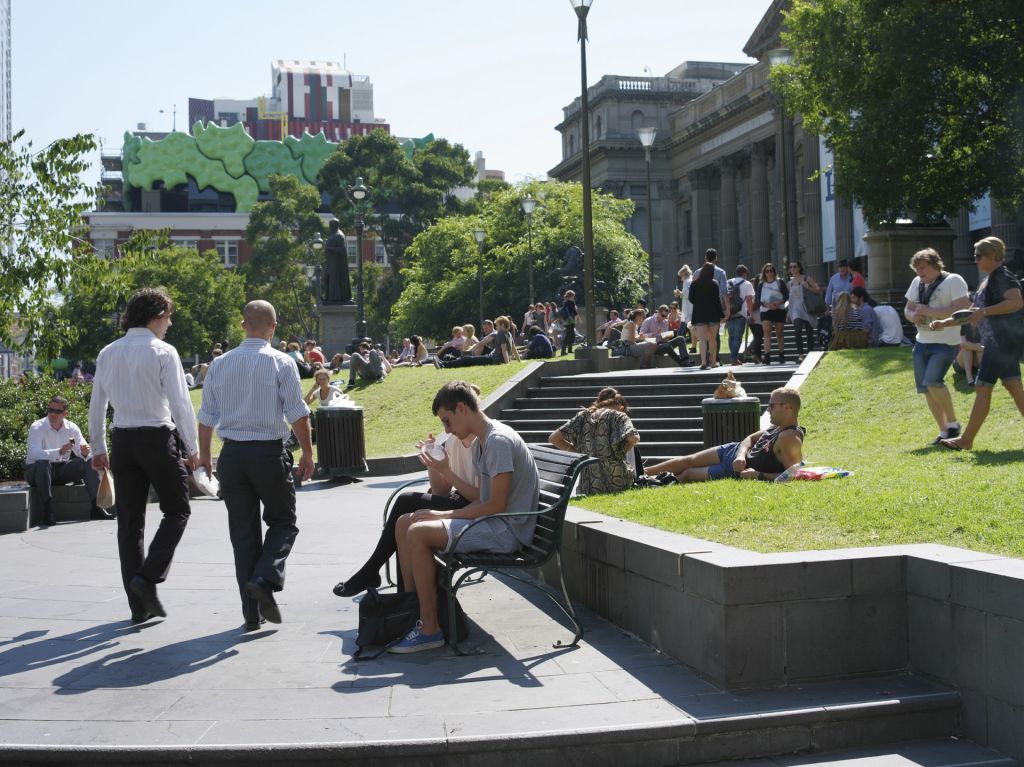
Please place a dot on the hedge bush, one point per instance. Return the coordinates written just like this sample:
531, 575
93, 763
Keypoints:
26, 401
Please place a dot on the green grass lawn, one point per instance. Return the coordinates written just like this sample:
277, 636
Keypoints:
396, 412
862, 414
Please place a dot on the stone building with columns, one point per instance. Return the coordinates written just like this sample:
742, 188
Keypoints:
730, 170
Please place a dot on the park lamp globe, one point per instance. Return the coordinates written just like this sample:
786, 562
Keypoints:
779, 56
358, 190
317, 242
646, 136
529, 204
480, 236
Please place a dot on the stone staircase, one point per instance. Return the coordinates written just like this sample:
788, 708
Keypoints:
664, 403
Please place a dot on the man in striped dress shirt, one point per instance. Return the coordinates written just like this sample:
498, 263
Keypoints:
153, 438
250, 395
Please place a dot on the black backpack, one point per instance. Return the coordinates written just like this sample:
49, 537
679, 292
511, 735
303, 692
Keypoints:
733, 293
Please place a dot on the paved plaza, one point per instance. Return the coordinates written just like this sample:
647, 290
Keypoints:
76, 678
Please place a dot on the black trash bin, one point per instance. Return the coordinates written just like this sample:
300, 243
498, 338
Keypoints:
729, 420
340, 441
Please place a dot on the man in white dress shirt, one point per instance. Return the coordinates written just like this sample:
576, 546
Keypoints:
251, 395
56, 456
153, 438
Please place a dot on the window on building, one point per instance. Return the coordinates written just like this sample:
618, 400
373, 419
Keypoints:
380, 253
350, 244
104, 247
227, 119
228, 252
637, 120
185, 242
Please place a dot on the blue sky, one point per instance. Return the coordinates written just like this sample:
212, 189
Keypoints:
491, 76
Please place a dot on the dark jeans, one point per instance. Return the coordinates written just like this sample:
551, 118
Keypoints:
491, 358
803, 327
569, 337
252, 473
43, 475
406, 503
737, 327
757, 331
140, 458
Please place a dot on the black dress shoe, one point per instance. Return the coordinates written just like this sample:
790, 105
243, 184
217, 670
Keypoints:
356, 585
98, 513
261, 591
141, 617
146, 591
254, 625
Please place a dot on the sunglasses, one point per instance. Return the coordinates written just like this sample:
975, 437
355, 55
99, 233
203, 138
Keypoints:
769, 271
54, 410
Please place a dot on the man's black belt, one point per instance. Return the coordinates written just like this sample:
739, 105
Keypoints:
228, 441
143, 428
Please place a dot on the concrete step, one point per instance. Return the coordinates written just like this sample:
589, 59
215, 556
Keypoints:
944, 752
546, 409
644, 425
634, 391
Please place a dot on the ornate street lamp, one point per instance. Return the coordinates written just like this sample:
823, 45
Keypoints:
357, 194
647, 139
529, 204
480, 236
582, 7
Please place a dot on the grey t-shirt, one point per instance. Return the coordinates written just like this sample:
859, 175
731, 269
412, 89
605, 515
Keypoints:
503, 450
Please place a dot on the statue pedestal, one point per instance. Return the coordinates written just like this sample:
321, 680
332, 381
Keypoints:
889, 252
337, 327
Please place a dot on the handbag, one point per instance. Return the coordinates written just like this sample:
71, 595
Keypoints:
814, 302
384, 619
105, 493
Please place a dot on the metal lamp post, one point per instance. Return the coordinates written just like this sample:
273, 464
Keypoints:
779, 57
647, 139
313, 275
582, 7
480, 236
529, 204
357, 193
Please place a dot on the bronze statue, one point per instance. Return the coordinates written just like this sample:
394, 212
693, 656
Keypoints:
339, 288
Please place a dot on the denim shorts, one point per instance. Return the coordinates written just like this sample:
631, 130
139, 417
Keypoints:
997, 364
723, 469
931, 363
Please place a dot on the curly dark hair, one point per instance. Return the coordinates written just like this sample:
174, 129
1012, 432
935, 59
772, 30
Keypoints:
146, 305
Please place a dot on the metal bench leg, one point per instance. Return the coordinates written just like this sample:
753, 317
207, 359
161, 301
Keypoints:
568, 609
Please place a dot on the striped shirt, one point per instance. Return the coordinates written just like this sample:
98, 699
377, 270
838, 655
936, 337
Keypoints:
142, 377
251, 392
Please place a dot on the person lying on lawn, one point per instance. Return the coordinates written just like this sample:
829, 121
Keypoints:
763, 455
508, 483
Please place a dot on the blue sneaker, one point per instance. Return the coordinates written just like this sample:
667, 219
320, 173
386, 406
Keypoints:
417, 641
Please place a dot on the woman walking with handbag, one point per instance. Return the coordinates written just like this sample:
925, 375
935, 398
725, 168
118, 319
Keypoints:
805, 298
772, 295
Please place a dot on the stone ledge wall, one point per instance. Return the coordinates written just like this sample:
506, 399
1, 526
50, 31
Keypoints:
744, 619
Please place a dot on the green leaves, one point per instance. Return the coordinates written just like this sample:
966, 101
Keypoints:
921, 101
440, 266
42, 198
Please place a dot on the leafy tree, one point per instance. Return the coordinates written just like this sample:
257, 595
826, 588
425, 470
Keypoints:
280, 231
440, 270
208, 298
42, 199
921, 101
406, 195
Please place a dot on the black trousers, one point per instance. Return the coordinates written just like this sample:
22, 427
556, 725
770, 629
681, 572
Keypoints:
406, 503
43, 475
140, 458
254, 473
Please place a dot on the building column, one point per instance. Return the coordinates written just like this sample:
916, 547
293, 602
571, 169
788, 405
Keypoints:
811, 247
728, 254
700, 185
760, 228
844, 229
